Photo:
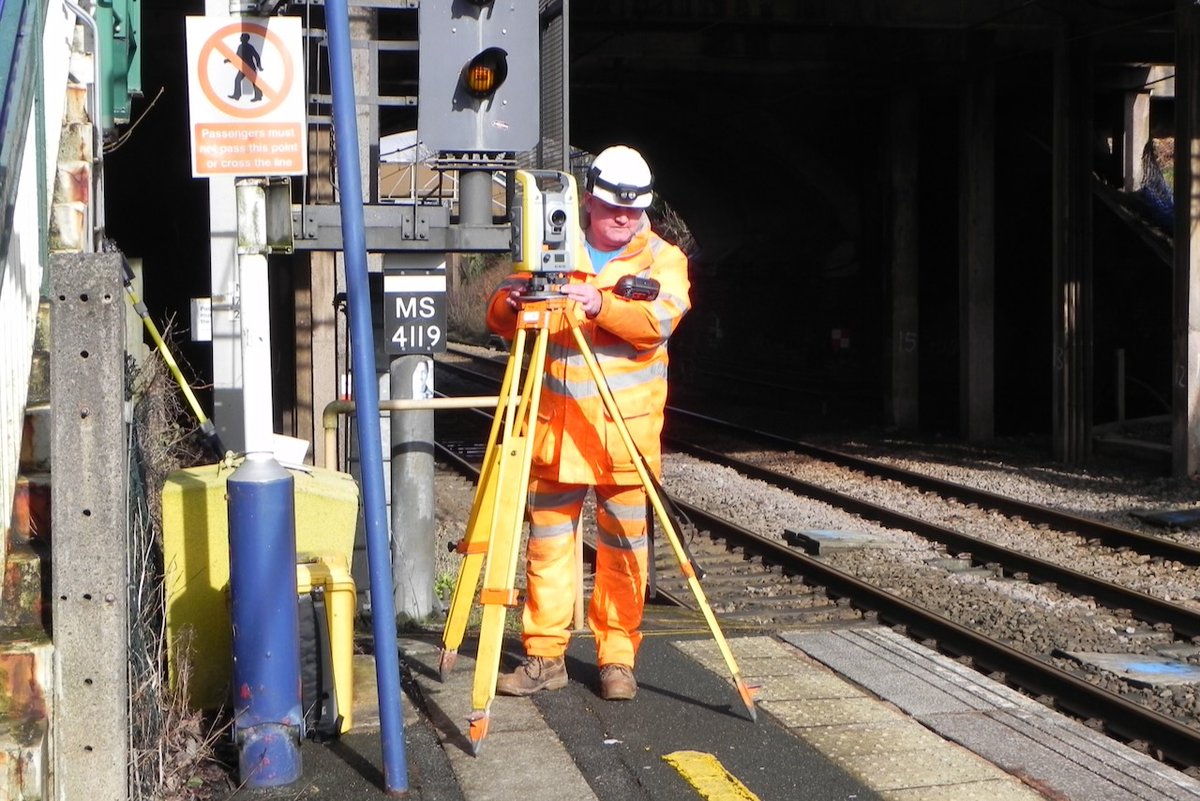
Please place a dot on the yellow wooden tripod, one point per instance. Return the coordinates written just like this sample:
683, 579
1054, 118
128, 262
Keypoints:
498, 511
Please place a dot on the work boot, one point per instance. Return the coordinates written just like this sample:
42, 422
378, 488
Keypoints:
535, 673
617, 683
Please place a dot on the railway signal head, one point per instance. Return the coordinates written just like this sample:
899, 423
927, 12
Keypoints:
485, 73
479, 75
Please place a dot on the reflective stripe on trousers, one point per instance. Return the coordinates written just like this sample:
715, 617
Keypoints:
615, 611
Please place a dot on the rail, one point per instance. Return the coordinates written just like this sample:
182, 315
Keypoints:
1176, 740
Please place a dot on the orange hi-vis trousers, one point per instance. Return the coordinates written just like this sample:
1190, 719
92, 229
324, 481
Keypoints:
615, 612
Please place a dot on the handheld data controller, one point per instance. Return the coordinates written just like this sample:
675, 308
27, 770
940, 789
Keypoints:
634, 287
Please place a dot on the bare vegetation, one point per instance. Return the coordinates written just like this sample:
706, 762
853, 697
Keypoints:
173, 749
466, 303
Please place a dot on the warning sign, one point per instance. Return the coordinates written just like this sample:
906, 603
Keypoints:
245, 100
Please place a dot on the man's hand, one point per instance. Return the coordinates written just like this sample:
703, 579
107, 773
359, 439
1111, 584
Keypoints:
514, 296
586, 295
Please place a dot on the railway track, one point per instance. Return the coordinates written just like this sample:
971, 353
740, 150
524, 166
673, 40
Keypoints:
756, 580
713, 439
687, 426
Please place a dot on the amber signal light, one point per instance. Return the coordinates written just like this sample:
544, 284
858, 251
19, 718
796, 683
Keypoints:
484, 73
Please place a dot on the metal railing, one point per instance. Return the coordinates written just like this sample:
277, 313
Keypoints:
20, 254
408, 182
35, 53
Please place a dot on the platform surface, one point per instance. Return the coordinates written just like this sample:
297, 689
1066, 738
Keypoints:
858, 713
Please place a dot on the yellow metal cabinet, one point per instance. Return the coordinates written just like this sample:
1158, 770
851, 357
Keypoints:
196, 561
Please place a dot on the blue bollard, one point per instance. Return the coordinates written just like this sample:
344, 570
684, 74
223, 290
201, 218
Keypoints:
268, 717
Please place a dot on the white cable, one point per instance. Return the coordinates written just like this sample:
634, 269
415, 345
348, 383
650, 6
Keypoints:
96, 201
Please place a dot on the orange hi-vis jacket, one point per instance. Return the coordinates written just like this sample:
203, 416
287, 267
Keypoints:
575, 441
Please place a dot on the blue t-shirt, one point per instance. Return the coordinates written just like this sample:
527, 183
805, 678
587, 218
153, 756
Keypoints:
600, 257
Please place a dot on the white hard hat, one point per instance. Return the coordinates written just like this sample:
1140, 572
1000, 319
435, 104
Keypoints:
619, 176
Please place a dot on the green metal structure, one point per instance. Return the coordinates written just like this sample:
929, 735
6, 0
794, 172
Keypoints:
120, 26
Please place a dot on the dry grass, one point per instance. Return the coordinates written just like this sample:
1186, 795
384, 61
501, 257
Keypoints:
667, 223
180, 762
466, 305
173, 749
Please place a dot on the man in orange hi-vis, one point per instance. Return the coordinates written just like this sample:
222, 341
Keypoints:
577, 448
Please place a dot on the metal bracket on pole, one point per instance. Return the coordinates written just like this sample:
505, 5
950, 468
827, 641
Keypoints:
264, 207
397, 228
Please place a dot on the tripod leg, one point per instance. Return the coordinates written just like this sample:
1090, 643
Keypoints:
474, 543
473, 546
498, 593
744, 690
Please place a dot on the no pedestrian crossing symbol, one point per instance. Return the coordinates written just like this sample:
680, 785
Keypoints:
246, 96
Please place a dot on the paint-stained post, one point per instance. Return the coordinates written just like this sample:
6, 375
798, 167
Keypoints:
267, 712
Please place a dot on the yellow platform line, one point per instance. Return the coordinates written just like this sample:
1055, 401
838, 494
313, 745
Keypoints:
708, 776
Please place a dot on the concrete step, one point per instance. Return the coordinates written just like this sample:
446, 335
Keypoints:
35, 439
26, 688
39, 371
23, 598
31, 510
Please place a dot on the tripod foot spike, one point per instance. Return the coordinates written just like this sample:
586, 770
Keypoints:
446, 661
747, 692
477, 723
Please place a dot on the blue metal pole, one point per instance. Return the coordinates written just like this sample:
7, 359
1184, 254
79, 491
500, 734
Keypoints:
366, 398
268, 716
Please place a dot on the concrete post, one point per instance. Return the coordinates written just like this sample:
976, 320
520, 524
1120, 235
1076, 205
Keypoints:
977, 259
905, 351
1072, 243
413, 499
89, 549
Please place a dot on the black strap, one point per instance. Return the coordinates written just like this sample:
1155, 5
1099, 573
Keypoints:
651, 570
626, 192
329, 718
676, 516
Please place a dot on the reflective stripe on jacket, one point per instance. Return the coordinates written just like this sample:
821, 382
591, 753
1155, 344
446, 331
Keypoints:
576, 441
